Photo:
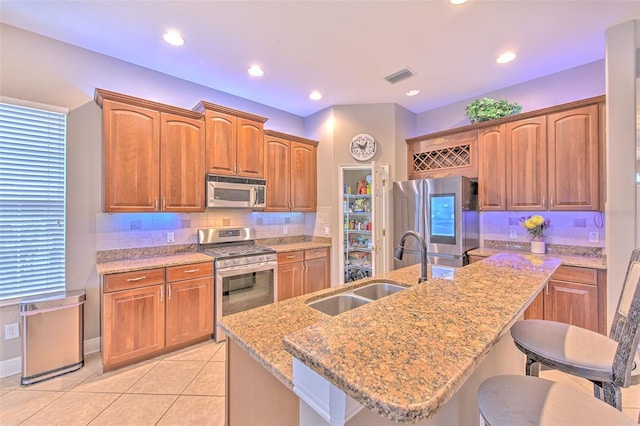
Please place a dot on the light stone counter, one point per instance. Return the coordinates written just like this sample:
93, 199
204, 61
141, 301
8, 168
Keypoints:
139, 263
567, 259
304, 245
406, 355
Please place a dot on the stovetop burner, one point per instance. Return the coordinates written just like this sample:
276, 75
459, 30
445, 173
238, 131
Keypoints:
224, 244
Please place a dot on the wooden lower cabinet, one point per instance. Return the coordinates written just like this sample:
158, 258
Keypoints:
574, 295
142, 316
304, 271
189, 309
132, 325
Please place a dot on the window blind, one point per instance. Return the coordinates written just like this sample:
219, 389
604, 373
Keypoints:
32, 201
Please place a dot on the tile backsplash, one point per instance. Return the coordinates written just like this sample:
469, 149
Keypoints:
116, 231
566, 228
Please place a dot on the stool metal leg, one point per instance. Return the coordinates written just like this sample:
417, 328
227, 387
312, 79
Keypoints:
532, 367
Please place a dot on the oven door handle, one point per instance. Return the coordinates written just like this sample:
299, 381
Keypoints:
253, 195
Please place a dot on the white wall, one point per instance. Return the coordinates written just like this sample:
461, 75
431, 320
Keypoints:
570, 85
621, 206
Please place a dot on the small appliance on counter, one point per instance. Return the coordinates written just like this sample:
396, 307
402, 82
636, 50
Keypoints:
444, 211
245, 273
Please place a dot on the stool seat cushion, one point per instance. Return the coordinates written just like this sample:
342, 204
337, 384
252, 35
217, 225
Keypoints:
568, 348
525, 400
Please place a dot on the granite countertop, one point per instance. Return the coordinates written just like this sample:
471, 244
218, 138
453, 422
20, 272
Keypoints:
424, 342
303, 245
138, 263
567, 260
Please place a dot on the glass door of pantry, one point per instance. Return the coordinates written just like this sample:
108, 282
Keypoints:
363, 190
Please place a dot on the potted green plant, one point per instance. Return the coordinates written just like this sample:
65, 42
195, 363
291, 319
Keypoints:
489, 109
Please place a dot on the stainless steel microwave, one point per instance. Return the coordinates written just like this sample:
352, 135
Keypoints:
235, 193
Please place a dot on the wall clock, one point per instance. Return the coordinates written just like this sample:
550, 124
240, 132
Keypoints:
362, 147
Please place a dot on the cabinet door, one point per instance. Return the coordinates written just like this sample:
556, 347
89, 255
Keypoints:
536, 308
526, 142
182, 155
250, 149
303, 177
572, 303
573, 159
221, 136
290, 280
316, 274
131, 145
492, 185
132, 324
189, 310
277, 174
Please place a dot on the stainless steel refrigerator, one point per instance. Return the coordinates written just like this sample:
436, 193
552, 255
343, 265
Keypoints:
444, 211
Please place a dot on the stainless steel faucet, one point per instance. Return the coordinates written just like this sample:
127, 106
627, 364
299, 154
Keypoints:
423, 252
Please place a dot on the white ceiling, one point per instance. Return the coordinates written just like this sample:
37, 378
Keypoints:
342, 48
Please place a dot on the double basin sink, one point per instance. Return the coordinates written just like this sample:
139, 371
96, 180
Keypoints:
339, 303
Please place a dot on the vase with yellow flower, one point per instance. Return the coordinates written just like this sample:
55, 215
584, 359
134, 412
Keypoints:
535, 226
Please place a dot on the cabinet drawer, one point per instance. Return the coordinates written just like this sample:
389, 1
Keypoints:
291, 256
576, 274
316, 253
134, 279
185, 272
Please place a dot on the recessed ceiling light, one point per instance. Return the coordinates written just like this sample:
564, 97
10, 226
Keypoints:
255, 71
506, 57
412, 92
173, 37
457, 1
315, 95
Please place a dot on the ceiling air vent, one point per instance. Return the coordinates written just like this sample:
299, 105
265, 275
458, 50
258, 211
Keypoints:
399, 75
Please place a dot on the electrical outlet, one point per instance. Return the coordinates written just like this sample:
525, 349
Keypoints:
170, 237
326, 230
285, 230
513, 234
11, 331
594, 237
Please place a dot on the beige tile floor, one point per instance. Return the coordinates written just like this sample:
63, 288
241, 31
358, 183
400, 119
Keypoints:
181, 388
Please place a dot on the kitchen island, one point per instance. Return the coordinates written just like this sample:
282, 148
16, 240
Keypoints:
404, 358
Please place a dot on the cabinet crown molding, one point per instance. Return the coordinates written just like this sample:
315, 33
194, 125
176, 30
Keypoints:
281, 135
521, 116
204, 106
102, 94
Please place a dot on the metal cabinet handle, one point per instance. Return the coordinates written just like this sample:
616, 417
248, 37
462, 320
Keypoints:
155, 204
168, 291
547, 288
291, 256
544, 199
161, 294
191, 271
551, 201
234, 168
164, 204
130, 280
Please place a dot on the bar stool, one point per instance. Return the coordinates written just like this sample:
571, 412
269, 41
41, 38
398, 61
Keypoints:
610, 363
524, 400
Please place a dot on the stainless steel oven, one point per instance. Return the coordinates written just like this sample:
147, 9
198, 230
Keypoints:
245, 273
243, 287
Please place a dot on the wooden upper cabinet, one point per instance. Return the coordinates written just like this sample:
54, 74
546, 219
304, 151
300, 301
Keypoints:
131, 153
443, 154
291, 172
277, 173
250, 149
234, 141
182, 150
303, 177
573, 159
221, 139
153, 155
526, 143
492, 181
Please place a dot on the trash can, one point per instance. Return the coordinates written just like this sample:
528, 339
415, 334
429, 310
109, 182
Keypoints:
52, 335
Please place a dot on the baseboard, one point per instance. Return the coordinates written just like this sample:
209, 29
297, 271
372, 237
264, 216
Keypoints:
13, 366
